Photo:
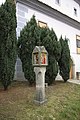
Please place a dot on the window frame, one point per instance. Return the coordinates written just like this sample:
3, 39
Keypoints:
57, 2
75, 11
77, 41
42, 24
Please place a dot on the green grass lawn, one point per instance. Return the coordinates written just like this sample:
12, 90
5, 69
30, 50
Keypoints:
63, 103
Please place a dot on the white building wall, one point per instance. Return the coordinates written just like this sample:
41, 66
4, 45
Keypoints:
2, 1
66, 7
59, 28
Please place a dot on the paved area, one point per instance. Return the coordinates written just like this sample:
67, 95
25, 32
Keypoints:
74, 81
58, 77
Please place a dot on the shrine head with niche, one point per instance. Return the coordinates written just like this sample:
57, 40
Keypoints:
39, 56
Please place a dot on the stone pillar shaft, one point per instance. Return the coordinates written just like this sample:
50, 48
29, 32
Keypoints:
40, 84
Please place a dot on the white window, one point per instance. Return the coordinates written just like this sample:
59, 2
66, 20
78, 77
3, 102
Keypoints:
57, 2
42, 24
75, 11
78, 75
78, 43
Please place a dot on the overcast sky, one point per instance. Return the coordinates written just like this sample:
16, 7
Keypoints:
2, 1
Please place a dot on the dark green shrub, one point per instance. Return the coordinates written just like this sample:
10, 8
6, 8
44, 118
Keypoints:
31, 36
48, 38
64, 61
7, 42
26, 44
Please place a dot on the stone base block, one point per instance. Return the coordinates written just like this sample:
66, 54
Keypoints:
40, 102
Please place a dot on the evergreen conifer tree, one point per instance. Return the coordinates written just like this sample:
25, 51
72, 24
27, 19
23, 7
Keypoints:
7, 42
49, 40
64, 61
31, 36
26, 44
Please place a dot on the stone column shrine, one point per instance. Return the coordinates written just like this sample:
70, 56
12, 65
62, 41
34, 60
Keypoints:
40, 61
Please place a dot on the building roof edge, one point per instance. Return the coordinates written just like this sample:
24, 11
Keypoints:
42, 7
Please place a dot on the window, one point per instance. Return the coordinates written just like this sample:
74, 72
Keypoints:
78, 75
75, 11
57, 1
42, 24
78, 43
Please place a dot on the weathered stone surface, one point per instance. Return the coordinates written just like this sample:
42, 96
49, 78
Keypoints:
40, 84
19, 74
